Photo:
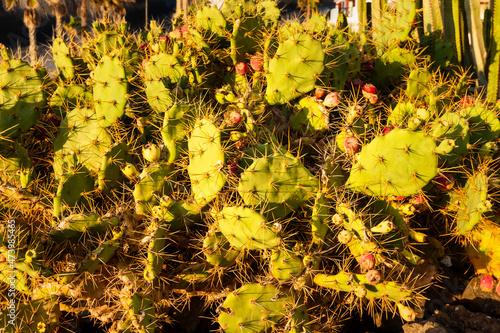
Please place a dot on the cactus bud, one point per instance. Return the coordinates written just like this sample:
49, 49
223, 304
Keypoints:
444, 182
130, 171
373, 276
234, 169
256, 62
487, 283
319, 93
345, 236
367, 261
151, 152
235, 117
360, 291
387, 129
331, 100
383, 227
369, 88
352, 144
406, 313
241, 68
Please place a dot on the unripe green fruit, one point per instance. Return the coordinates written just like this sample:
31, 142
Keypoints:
130, 171
151, 153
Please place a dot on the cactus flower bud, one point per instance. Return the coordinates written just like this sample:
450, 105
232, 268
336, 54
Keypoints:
151, 152
373, 276
235, 117
241, 68
487, 283
344, 236
367, 261
257, 62
406, 313
331, 100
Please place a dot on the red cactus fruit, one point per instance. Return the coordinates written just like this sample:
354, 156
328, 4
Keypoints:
358, 83
370, 88
373, 276
352, 144
367, 66
367, 261
241, 68
400, 197
235, 117
257, 62
319, 93
387, 129
466, 102
143, 45
234, 169
331, 100
240, 144
444, 182
487, 283
418, 200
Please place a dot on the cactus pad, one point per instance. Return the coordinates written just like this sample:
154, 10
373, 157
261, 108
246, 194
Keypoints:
400, 163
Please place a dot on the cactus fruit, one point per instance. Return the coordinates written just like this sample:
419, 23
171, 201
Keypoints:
232, 145
487, 283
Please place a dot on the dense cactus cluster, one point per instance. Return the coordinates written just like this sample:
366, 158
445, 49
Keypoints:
242, 160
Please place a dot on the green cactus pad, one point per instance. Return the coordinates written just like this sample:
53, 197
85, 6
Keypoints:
455, 127
211, 19
80, 141
389, 67
16, 168
278, 183
76, 226
175, 128
244, 228
62, 59
294, 68
206, 162
155, 181
285, 265
110, 90
218, 250
253, 308
310, 117
484, 125
395, 25
389, 290
471, 202
417, 83
67, 97
21, 97
320, 213
400, 163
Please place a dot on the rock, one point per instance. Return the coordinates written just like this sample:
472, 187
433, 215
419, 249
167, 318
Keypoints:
474, 299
